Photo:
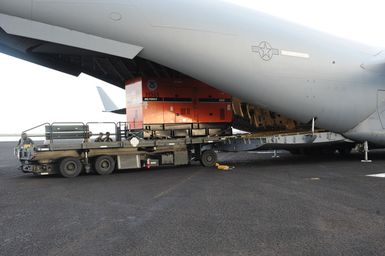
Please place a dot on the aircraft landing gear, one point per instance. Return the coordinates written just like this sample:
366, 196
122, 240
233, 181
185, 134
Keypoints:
366, 151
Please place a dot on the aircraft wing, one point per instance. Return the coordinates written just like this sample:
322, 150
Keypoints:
49, 46
40, 31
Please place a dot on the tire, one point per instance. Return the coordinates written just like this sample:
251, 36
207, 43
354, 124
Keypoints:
104, 165
70, 167
209, 158
311, 152
328, 151
345, 151
295, 152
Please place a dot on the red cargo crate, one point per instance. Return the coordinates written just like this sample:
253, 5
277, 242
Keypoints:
175, 101
215, 112
134, 108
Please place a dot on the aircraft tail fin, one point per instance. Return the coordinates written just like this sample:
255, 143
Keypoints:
109, 105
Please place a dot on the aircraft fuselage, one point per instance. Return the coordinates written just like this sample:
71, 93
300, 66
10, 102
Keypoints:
289, 69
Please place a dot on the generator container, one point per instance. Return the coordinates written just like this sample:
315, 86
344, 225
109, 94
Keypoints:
177, 107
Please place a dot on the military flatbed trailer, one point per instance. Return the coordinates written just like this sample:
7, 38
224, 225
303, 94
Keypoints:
60, 156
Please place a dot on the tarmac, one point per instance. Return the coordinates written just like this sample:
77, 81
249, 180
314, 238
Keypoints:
293, 205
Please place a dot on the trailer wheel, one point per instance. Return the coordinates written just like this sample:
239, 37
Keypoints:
70, 167
104, 165
209, 158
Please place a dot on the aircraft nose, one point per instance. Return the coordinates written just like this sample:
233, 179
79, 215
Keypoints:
20, 8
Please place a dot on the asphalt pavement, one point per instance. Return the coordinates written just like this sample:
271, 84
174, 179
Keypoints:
293, 205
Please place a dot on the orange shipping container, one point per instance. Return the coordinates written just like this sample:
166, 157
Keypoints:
175, 101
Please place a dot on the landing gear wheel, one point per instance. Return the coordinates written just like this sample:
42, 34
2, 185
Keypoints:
345, 151
209, 158
70, 167
295, 152
104, 165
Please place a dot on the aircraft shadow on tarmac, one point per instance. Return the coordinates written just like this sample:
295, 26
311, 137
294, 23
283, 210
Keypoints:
284, 159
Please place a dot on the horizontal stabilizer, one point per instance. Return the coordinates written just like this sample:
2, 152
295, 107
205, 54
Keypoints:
376, 64
36, 30
109, 105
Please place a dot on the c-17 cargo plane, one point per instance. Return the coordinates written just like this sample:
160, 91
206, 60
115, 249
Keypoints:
286, 68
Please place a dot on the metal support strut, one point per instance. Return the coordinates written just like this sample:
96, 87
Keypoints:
313, 125
87, 166
366, 150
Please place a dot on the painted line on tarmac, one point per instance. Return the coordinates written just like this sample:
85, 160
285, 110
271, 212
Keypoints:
172, 188
379, 175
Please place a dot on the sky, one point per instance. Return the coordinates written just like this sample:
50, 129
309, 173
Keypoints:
32, 95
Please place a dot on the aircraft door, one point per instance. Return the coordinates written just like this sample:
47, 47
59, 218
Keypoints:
381, 106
